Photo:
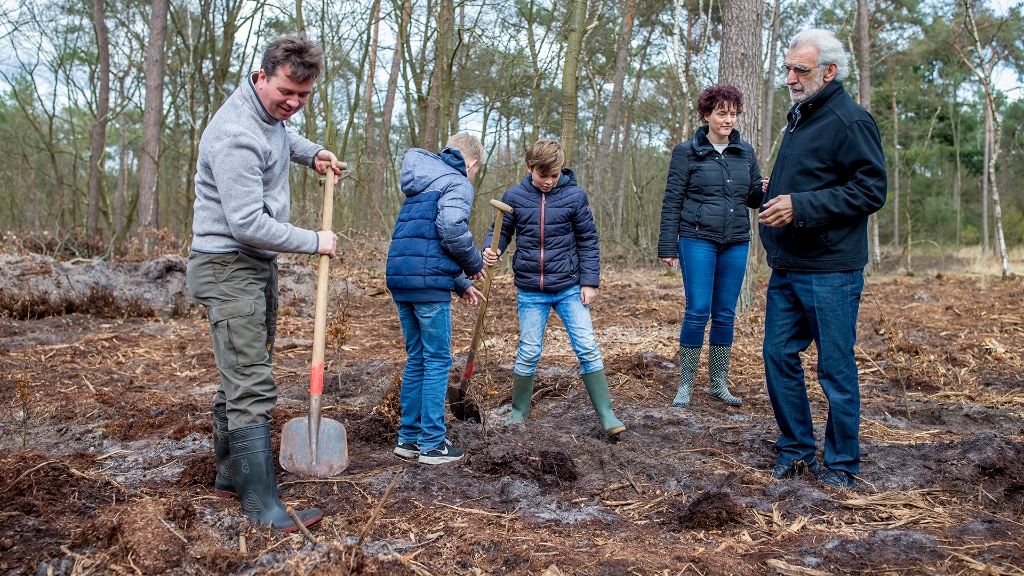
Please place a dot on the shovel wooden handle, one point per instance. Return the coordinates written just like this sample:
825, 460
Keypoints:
478, 330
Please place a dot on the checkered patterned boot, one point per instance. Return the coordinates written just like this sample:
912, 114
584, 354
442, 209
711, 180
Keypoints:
718, 369
689, 356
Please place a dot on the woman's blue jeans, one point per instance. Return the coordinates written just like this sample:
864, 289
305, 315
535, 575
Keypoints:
427, 327
712, 277
534, 309
822, 307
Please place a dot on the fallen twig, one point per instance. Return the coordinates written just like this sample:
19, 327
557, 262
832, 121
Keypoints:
302, 527
380, 505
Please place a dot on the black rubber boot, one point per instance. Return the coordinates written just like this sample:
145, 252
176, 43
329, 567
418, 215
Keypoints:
252, 468
224, 486
522, 395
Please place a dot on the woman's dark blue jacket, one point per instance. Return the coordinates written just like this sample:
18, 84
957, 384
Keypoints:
556, 240
707, 193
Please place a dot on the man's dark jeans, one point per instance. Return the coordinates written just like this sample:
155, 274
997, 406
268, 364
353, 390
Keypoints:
818, 306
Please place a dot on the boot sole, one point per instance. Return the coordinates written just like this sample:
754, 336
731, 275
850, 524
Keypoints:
717, 399
616, 431
307, 524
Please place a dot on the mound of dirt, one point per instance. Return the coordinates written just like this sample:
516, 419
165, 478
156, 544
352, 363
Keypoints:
148, 540
373, 429
200, 470
707, 510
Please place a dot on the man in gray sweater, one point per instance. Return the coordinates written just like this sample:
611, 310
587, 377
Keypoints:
241, 223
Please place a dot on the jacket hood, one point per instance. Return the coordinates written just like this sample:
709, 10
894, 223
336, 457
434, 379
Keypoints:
421, 168
568, 178
702, 145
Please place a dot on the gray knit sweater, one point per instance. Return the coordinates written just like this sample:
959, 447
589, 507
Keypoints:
243, 201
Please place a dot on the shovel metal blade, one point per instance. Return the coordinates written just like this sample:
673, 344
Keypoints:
331, 457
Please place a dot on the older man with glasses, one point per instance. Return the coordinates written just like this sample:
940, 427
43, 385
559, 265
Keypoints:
829, 176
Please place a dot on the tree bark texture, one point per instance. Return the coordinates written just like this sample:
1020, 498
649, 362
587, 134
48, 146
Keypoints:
152, 115
98, 141
864, 98
740, 65
896, 172
570, 68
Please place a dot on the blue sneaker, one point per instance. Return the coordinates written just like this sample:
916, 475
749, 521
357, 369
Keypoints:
443, 452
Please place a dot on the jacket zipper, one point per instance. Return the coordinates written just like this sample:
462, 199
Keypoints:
543, 201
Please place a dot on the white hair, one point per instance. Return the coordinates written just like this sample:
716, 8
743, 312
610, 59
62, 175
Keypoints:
830, 49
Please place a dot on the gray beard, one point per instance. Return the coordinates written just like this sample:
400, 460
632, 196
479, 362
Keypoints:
810, 90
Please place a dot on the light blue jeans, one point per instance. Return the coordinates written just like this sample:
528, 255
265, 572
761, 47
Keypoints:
534, 309
427, 327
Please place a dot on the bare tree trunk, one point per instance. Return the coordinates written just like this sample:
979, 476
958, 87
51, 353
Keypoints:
986, 178
98, 141
122, 164
896, 169
997, 209
611, 119
445, 48
570, 101
370, 72
460, 62
864, 98
152, 117
955, 115
377, 190
739, 64
682, 63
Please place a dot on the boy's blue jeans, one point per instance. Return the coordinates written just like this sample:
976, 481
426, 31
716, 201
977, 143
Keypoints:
427, 327
534, 308
712, 278
821, 307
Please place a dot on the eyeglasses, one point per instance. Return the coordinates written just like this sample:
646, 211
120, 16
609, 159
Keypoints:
800, 70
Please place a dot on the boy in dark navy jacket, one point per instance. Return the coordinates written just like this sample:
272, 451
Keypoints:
557, 266
431, 255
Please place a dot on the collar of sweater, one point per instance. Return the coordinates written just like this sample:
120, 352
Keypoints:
252, 100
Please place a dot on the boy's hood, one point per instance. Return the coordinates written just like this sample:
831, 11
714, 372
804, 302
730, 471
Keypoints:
421, 168
568, 178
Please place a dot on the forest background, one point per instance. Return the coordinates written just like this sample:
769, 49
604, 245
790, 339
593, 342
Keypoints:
103, 103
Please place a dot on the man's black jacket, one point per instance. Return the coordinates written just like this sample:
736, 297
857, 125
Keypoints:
832, 166
707, 193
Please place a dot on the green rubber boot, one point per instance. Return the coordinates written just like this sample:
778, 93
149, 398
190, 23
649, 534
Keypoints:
597, 388
522, 394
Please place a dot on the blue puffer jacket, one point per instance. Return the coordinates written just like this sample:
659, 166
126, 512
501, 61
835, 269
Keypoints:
556, 240
432, 249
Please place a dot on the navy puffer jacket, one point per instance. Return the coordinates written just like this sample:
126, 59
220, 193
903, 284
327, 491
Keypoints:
707, 193
556, 240
432, 249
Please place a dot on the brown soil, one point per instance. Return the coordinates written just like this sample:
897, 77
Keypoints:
116, 471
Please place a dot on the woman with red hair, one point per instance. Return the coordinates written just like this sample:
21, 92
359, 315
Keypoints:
712, 179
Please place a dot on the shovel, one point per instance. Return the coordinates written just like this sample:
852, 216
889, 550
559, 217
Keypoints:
315, 446
462, 407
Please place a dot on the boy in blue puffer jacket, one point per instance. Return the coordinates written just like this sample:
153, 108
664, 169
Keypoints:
557, 266
432, 254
